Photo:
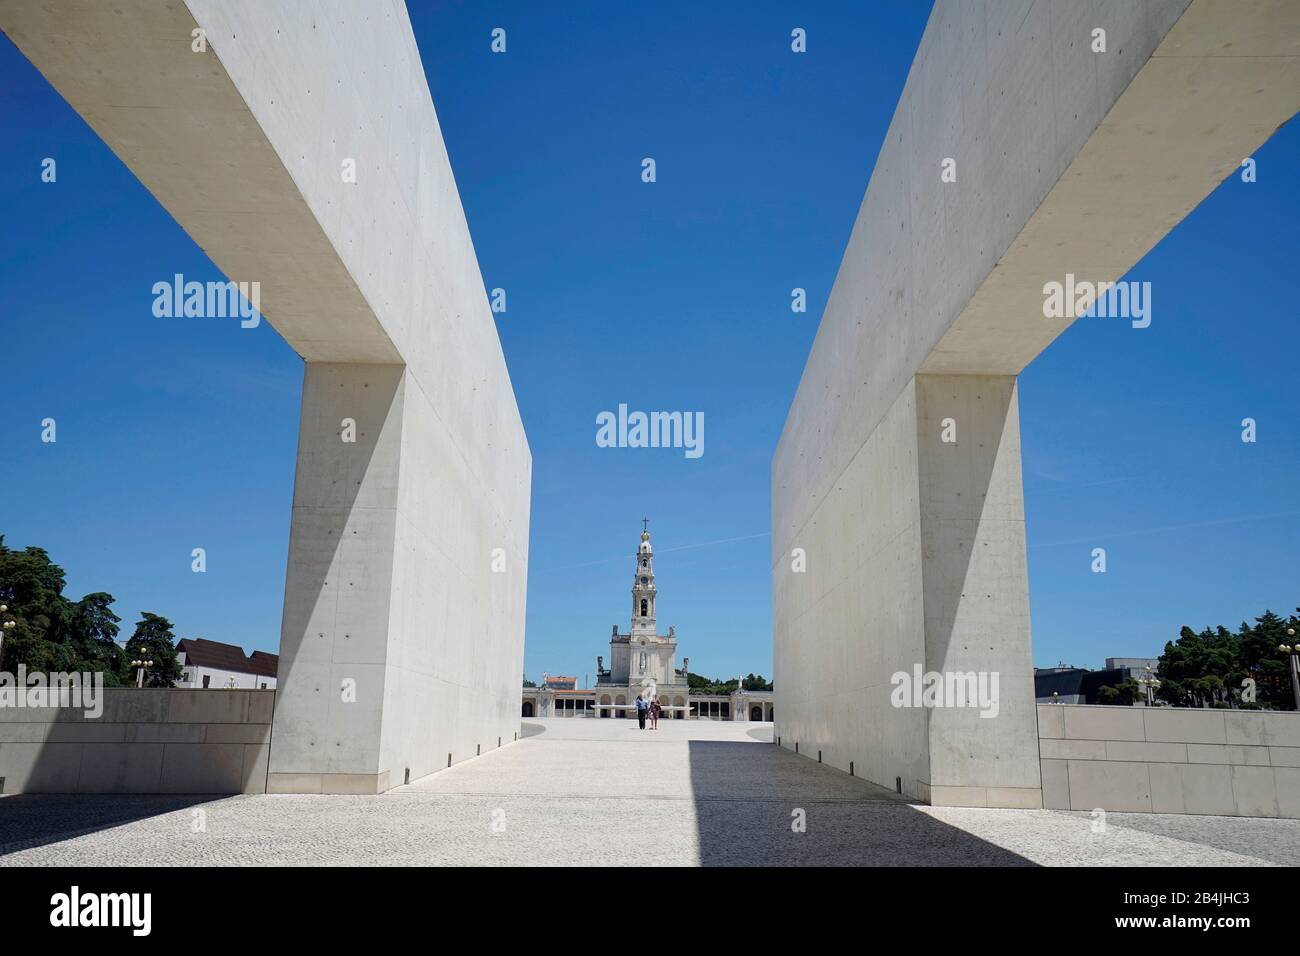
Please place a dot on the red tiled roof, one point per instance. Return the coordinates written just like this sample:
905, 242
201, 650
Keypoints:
227, 657
266, 664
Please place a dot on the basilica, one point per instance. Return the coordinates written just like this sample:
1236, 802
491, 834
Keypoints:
642, 663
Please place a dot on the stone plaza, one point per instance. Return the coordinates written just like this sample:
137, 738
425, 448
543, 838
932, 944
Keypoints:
602, 793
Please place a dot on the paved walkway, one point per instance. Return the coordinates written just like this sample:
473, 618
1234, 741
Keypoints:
601, 792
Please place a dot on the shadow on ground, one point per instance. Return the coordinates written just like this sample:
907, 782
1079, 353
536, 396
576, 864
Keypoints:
37, 819
748, 798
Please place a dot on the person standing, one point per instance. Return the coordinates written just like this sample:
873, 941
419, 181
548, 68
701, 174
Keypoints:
641, 708
655, 711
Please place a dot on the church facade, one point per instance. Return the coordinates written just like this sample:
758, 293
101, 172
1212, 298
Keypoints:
643, 663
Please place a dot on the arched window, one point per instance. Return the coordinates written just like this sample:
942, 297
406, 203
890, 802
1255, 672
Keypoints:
644, 607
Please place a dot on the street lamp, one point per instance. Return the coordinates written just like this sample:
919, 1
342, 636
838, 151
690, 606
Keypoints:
1149, 683
5, 626
1292, 651
139, 679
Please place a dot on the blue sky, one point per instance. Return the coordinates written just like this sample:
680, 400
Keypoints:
176, 434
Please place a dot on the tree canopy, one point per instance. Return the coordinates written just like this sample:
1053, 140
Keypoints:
56, 634
1208, 669
700, 684
153, 640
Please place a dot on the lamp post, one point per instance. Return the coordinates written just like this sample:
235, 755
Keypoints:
1149, 683
686, 679
1292, 651
5, 626
139, 679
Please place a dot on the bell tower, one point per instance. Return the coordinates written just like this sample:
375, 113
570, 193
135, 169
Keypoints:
643, 660
643, 587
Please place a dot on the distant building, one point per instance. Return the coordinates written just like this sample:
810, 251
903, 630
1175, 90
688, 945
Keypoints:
643, 662
1136, 666
1058, 669
559, 683
220, 666
1067, 684
1073, 685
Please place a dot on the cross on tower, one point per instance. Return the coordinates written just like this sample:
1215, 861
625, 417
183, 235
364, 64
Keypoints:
645, 524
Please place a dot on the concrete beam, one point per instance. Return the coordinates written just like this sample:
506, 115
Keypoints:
374, 282
1219, 84
1067, 161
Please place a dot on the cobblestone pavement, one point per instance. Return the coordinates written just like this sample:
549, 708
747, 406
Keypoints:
601, 792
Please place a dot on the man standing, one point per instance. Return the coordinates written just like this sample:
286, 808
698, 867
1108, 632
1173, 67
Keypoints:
641, 706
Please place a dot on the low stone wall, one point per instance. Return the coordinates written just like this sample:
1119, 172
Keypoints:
1170, 760
145, 741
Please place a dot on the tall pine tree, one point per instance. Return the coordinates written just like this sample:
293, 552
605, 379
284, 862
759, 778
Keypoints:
153, 640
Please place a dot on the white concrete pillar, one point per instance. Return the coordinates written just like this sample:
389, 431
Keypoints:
334, 645
916, 564
402, 635
975, 592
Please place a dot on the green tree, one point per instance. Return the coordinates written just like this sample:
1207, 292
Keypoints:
709, 685
1261, 660
92, 638
153, 640
699, 684
1210, 668
1122, 694
32, 586
54, 633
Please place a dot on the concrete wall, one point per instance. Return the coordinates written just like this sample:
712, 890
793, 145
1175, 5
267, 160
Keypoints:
1066, 161
145, 741
1170, 760
400, 645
